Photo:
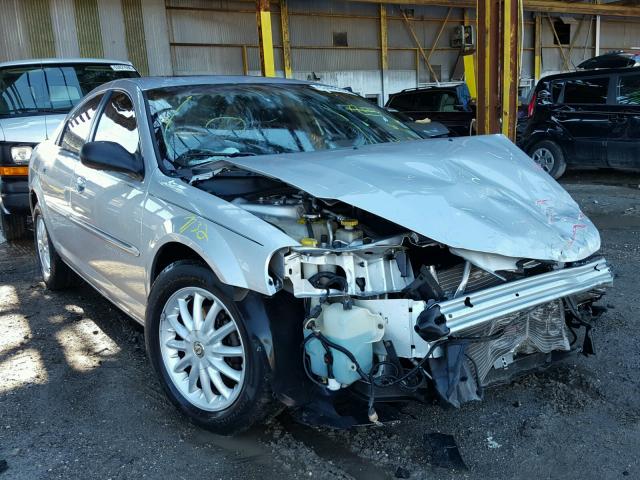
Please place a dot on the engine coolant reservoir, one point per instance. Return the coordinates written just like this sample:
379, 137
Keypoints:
355, 330
348, 233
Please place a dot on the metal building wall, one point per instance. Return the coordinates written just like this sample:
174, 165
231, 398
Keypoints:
166, 37
122, 29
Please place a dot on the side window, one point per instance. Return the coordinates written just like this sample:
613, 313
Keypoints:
77, 128
628, 91
586, 91
556, 89
118, 123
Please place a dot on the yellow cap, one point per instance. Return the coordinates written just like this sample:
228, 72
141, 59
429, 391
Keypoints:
308, 242
302, 221
349, 222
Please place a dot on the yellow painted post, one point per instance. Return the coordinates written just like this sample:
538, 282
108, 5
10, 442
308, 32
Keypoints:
286, 44
469, 67
384, 53
510, 77
267, 61
537, 54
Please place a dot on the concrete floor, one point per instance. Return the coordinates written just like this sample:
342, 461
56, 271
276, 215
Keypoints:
78, 398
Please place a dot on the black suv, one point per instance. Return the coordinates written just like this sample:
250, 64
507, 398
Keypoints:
448, 104
588, 118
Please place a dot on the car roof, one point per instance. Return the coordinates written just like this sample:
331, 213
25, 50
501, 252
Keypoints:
63, 61
150, 83
430, 88
590, 73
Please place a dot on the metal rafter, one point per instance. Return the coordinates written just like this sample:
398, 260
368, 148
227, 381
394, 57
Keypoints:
425, 57
546, 6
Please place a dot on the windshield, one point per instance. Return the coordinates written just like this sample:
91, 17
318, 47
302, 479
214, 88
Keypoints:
197, 124
32, 89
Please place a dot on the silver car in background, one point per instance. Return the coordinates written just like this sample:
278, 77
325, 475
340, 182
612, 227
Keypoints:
35, 97
288, 243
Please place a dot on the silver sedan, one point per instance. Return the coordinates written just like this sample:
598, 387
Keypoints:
289, 243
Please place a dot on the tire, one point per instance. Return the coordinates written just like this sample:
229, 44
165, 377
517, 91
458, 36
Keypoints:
56, 274
14, 227
550, 157
176, 347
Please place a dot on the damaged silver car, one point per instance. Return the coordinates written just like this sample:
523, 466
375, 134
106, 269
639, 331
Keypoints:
288, 243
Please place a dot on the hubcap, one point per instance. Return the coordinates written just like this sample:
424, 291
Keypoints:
544, 158
42, 240
202, 349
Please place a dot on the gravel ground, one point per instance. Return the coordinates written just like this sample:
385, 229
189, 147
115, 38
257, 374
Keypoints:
78, 399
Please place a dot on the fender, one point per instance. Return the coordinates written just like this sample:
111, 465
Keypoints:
548, 131
275, 327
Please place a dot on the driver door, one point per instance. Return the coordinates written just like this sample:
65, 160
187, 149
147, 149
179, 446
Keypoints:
109, 206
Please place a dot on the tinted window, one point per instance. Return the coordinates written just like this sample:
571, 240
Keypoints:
77, 129
118, 123
588, 90
404, 102
628, 92
53, 88
438, 101
556, 89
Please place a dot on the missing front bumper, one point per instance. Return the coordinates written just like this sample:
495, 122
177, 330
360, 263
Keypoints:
482, 307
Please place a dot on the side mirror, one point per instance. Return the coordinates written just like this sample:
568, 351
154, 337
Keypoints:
110, 156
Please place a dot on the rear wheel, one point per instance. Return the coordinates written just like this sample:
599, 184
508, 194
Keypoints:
56, 274
14, 227
550, 157
209, 366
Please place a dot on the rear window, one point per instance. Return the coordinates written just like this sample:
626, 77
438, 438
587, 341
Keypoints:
434, 101
628, 91
586, 90
404, 102
36, 89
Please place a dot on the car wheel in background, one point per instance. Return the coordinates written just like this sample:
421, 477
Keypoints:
56, 274
14, 227
209, 366
550, 157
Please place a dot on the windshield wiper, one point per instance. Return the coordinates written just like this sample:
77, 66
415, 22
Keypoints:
200, 154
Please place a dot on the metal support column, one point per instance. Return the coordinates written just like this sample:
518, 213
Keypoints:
469, 62
537, 50
510, 70
286, 44
597, 41
267, 61
488, 62
384, 53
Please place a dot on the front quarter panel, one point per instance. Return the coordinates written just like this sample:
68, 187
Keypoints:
235, 244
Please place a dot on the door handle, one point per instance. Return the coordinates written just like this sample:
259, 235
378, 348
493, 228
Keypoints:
81, 183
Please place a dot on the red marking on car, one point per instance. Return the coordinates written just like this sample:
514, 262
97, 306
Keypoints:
574, 231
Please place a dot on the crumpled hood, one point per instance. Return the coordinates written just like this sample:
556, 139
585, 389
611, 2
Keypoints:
34, 129
475, 193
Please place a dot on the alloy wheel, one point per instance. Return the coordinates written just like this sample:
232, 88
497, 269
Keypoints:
42, 239
202, 349
543, 157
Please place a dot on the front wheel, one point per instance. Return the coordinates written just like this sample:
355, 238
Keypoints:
197, 342
55, 273
550, 157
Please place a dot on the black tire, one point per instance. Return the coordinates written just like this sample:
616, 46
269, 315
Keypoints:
559, 165
255, 401
14, 226
59, 276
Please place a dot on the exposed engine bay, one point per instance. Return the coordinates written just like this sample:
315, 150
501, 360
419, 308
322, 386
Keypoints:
393, 314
